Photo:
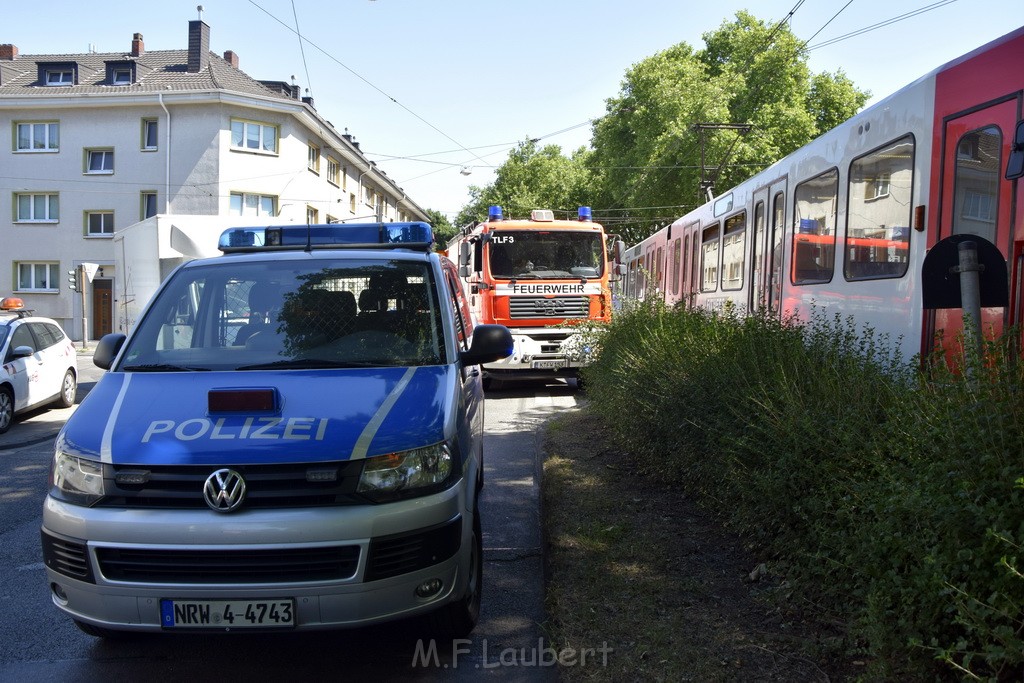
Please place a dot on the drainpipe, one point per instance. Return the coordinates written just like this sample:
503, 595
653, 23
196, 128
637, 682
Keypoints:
167, 162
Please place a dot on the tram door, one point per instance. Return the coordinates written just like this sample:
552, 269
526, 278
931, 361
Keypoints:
766, 248
976, 198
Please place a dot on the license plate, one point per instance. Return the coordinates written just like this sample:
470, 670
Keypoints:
548, 364
231, 614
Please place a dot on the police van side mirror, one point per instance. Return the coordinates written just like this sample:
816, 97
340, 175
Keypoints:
106, 350
490, 343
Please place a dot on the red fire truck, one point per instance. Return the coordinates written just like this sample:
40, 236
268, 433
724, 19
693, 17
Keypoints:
542, 278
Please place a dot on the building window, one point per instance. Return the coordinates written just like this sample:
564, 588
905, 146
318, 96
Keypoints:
352, 202
312, 215
60, 77
121, 76
37, 137
333, 219
37, 208
99, 161
252, 205
99, 223
254, 137
333, 172
344, 177
149, 132
38, 277
314, 159
148, 205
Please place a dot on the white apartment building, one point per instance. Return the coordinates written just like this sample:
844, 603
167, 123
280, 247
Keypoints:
102, 141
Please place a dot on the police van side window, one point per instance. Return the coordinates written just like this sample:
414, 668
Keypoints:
459, 308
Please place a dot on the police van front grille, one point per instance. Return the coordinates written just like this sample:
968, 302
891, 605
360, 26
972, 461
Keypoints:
66, 557
245, 566
267, 486
543, 307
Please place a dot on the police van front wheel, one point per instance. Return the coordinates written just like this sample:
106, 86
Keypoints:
457, 619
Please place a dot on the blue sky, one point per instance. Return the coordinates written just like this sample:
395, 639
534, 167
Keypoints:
435, 88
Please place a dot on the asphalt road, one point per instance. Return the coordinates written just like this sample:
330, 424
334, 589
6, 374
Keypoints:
37, 643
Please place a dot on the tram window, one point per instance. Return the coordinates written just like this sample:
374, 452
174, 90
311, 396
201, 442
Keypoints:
878, 220
709, 259
976, 189
757, 259
733, 251
676, 250
775, 239
814, 228
659, 270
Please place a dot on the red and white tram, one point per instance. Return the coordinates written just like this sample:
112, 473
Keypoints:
844, 223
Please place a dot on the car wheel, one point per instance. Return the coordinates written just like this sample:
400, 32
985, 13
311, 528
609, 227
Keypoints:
6, 409
457, 619
68, 389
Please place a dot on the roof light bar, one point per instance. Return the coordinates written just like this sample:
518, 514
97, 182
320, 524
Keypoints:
337, 235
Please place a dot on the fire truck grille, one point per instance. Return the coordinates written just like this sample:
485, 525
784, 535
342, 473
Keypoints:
554, 307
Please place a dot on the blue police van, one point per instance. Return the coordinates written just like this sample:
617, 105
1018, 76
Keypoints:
290, 438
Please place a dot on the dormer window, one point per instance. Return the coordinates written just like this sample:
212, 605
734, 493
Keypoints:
120, 73
58, 73
60, 77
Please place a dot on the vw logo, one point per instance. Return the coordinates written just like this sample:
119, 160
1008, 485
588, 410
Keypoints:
224, 490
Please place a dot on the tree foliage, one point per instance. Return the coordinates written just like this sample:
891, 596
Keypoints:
532, 178
644, 167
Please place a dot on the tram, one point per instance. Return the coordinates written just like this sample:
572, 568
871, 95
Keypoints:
844, 224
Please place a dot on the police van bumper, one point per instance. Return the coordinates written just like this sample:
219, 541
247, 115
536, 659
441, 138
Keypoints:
372, 564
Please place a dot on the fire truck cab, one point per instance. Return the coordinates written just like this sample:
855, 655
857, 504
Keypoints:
544, 279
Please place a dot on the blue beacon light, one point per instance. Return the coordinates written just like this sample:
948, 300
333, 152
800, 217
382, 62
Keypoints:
494, 213
584, 213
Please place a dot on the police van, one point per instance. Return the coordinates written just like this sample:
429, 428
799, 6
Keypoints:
290, 438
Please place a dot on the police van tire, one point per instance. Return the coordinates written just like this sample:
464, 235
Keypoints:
457, 619
6, 409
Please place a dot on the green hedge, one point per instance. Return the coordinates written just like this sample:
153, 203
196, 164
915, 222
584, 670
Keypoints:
893, 499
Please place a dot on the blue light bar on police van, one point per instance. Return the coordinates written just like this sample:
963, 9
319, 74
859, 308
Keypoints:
585, 214
337, 235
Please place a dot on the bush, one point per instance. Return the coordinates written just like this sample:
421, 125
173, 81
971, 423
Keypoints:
892, 498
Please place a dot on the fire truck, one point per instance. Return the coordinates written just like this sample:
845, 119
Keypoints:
541, 278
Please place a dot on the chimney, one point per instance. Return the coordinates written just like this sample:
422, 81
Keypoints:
8, 52
198, 46
231, 58
137, 47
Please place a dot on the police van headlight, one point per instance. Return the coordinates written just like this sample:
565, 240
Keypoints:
76, 480
408, 473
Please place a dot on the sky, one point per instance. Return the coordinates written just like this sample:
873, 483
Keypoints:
438, 91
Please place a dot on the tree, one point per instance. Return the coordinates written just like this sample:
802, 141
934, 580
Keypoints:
532, 178
645, 167
444, 231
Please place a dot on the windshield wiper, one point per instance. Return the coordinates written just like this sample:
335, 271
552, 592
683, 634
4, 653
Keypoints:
162, 367
311, 363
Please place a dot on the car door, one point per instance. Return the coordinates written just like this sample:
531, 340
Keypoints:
24, 370
52, 358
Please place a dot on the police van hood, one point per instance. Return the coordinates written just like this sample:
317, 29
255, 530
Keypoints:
320, 415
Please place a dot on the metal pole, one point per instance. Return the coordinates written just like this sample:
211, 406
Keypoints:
85, 321
970, 295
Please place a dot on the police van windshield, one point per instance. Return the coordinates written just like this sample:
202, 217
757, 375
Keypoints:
545, 254
291, 314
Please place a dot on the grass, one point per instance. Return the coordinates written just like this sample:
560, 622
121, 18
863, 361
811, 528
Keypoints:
887, 504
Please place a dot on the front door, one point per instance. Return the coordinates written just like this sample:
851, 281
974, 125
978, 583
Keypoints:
102, 309
975, 198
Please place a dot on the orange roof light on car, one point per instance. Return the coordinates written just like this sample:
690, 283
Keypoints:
11, 303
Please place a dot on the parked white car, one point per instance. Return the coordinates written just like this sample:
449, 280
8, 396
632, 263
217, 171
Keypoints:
40, 365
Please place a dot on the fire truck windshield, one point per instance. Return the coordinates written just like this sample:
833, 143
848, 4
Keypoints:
537, 254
